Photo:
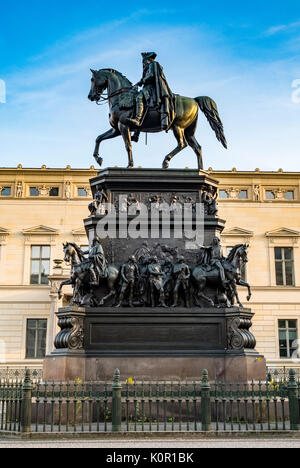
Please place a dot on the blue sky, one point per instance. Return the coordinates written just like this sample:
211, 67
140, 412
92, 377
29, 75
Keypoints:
245, 55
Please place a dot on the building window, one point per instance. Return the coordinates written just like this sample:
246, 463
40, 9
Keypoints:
82, 192
284, 265
270, 195
40, 264
6, 192
36, 334
34, 192
54, 192
223, 194
289, 195
288, 333
243, 195
243, 271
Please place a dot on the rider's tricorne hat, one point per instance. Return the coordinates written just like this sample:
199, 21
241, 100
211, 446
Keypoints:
149, 55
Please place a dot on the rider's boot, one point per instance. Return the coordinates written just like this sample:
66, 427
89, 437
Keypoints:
223, 278
164, 121
139, 113
94, 281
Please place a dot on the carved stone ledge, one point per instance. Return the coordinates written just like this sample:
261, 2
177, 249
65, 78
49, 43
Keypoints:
239, 335
71, 335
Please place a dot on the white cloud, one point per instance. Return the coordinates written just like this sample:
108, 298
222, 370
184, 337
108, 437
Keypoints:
282, 27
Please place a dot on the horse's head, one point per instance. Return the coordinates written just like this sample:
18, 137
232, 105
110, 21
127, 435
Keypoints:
68, 251
99, 84
238, 253
243, 252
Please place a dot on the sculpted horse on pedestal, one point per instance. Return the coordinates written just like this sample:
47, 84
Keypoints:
121, 98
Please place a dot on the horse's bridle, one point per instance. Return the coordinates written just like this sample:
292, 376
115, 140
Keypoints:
103, 99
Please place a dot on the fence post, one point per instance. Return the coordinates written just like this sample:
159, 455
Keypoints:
26, 403
293, 401
205, 402
117, 403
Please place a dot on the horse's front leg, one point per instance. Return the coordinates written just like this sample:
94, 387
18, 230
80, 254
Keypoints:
234, 286
247, 285
76, 294
125, 132
113, 133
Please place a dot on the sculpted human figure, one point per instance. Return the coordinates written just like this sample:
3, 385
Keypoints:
96, 264
181, 274
156, 282
19, 190
155, 93
256, 193
142, 253
167, 268
214, 257
129, 278
99, 200
209, 198
68, 190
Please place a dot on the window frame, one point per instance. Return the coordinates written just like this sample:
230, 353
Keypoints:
287, 329
36, 329
283, 262
40, 259
10, 191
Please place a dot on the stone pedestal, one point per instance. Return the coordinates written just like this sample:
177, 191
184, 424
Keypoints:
153, 343
144, 185
147, 343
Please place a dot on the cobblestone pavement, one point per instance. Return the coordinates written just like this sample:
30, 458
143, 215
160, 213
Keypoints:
156, 444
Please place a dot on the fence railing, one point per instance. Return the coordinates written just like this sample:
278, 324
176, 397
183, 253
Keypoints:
18, 373
281, 373
50, 407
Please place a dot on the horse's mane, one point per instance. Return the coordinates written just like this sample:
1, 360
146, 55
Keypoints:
78, 250
232, 253
116, 72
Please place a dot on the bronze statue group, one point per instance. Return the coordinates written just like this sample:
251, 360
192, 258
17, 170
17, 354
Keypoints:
156, 277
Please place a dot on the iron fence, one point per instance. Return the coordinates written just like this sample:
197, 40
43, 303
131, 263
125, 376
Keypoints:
281, 373
51, 407
18, 373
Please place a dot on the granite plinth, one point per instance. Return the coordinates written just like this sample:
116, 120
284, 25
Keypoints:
150, 343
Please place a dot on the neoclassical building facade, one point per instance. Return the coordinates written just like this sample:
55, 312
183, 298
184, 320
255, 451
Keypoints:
40, 209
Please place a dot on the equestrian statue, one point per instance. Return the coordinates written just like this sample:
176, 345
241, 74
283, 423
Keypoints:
89, 270
155, 108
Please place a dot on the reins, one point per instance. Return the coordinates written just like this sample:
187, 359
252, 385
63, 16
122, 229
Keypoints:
103, 99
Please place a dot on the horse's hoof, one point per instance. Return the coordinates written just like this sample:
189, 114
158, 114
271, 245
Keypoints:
165, 165
98, 159
130, 166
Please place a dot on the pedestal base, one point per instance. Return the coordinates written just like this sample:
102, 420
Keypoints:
151, 344
230, 368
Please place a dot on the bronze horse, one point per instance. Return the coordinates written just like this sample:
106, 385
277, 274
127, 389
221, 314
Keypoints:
80, 277
121, 97
203, 277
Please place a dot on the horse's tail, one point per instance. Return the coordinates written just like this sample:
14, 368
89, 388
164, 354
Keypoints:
210, 110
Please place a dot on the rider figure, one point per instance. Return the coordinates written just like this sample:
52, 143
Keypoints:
129, 278
217, 259
97, 264
155, 93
